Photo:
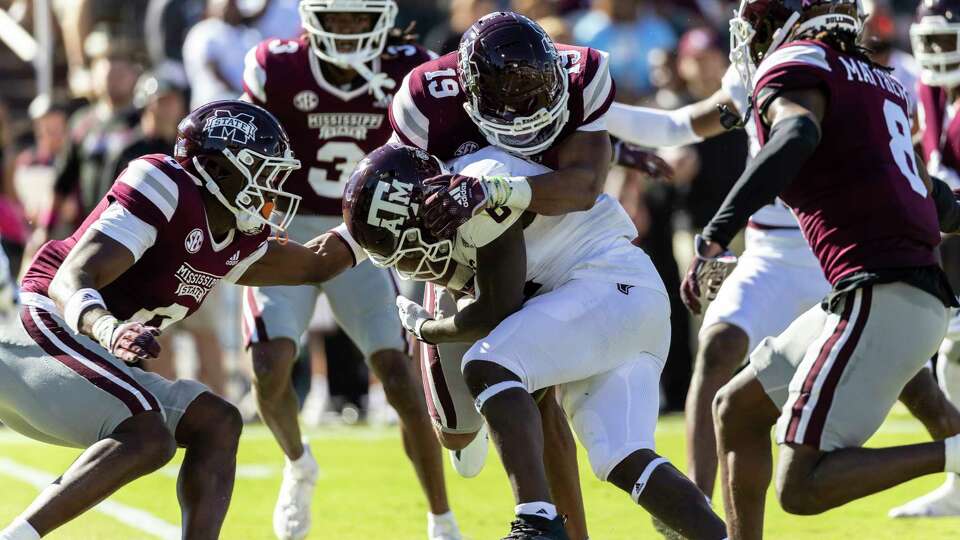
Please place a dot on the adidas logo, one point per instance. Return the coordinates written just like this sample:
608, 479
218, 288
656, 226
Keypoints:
624, 288
638, 489
460, 195
233, 260
542, 511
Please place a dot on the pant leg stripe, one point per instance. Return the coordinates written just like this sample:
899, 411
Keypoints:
802, 401
255, 329
89, 369
818, 417
66, 336
439, 401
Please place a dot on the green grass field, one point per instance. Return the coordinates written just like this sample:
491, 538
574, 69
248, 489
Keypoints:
367, 490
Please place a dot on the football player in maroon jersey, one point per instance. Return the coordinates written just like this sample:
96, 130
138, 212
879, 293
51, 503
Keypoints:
835, 146
167, 232
330, 89
510, 86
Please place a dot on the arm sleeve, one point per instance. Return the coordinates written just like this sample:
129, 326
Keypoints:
341, 232
147, 192
121, 225
792, 142
255, 75
948, 206
600, 90
652, 128
241, 268
408, 122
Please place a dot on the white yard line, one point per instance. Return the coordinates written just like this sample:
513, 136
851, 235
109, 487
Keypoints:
135, 518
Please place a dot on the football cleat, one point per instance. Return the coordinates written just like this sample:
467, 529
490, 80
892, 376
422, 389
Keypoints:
469, 461
527, 527
941, 502
291, 516
443, 527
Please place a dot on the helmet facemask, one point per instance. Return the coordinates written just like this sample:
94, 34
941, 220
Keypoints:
506, 127
415, 258
359, 48
261, 202
936, 46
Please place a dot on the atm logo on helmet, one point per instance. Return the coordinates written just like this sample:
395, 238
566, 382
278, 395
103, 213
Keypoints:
391, 207
223, 125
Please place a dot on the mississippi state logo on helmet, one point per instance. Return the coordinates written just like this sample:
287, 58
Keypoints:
381, 205
243, 156
934, 37
761, 26
515, 85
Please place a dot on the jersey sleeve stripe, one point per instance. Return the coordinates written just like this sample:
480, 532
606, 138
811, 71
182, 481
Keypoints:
343, 233
254, 76
598, 90
132, 232
796, 54
410, 122
153, 184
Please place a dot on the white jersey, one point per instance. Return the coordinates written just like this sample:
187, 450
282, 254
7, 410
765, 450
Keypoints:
594, 244
771, 216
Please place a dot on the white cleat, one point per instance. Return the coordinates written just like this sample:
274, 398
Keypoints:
443, 527
469, 461
941, 502
291, 516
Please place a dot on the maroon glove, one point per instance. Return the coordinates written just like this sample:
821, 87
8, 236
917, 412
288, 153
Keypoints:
710, 266
130, 341
634, 157
452, 200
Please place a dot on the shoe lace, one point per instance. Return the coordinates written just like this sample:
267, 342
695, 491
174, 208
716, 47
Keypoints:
521, 529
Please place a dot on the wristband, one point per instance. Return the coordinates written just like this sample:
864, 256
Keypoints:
512, 191
103, 329
78, 303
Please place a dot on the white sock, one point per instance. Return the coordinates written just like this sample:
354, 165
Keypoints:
536, 508
305, 459
20, 529
951, 458
446, 516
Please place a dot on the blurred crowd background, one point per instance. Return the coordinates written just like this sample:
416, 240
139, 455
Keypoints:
121, 73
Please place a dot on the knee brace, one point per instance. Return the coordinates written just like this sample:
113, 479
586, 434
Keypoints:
645, 477
493, 390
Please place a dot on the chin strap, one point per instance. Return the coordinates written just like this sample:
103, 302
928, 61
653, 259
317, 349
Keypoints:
377, 81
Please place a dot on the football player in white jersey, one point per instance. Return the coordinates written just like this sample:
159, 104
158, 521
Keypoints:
562, 301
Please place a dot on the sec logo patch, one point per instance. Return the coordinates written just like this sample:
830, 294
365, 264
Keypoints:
306, 101
193, 241
468, 147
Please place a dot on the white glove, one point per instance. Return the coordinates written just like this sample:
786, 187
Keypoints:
412, 315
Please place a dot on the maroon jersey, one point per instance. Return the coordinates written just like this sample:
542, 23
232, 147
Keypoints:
330, 128
859, 199
427, 111
940, 134
174, 275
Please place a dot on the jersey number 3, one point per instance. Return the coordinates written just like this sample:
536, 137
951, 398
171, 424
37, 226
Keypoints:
901, 146
335, 163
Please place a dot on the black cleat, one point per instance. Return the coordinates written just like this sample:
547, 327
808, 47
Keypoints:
530, 527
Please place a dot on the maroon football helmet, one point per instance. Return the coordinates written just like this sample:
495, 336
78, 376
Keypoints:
516, 87
761, 26
381, 206
235, 143
936, 42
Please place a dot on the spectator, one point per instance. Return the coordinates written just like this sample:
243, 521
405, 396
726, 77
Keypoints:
213, 50
166, 27
445, 38
162, 104
535, 9
557, 28
107, 123
628, 30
